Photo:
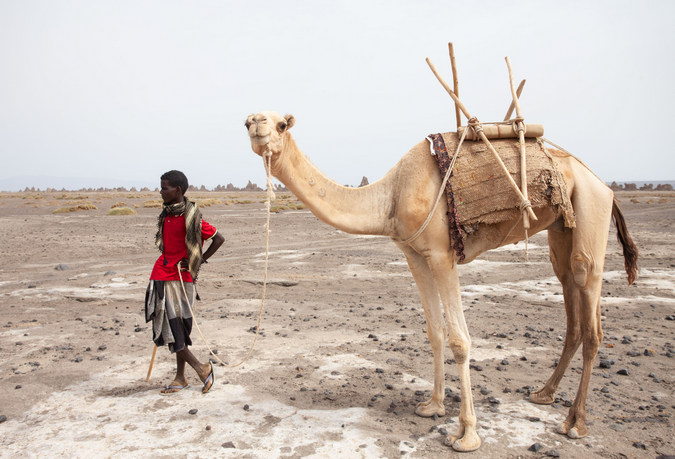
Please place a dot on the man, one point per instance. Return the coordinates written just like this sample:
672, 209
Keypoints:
181, 233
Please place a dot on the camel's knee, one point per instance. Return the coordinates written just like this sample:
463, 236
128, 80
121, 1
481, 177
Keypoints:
582, 268
592, 344
460, 349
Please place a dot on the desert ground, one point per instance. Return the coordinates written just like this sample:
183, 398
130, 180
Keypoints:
342, 356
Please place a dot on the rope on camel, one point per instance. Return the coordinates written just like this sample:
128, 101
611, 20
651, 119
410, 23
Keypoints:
440, 192
267, 157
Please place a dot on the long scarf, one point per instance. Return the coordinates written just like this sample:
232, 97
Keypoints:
193, 232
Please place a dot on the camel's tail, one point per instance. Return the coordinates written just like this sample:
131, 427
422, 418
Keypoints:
630, 251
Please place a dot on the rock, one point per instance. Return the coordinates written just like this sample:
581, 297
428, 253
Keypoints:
246, 407
649, 353
208, 427
228, 444
494, 401
3, 418
535, 447
552, 453
103, 347
18, 386
606, 363
193, 410
109, 273
623, 372
670, 317
639, 445
61, 267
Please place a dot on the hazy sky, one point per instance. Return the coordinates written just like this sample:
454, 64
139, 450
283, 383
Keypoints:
125, 90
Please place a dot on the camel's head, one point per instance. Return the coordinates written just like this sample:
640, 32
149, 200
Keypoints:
266, 130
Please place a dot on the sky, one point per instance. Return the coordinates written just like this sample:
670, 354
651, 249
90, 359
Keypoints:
114, 93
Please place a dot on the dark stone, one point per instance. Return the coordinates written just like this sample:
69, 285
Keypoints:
3, 418
623, 372
607, 363
109, 273
552, 453
193, 411
649, 353
228, 444
246, 407
535, 447
102, 347
639, 445
61, 267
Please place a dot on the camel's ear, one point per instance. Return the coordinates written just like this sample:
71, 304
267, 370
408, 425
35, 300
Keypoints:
290, 119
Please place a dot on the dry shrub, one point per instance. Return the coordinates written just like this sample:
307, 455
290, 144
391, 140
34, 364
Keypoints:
118, 204
651, 201
663, 200
82, 206
635, 201
208, 202
152, 204
287, 206
122, 211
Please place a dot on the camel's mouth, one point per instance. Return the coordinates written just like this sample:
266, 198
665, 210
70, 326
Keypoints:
260, 139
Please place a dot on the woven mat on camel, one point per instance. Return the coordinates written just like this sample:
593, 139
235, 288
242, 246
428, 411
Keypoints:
479, 193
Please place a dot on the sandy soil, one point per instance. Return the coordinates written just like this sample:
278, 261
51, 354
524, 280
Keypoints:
342, 358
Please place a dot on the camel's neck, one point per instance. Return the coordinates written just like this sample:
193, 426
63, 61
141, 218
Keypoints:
364, 210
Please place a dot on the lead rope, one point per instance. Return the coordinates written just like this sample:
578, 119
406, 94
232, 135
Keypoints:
267, 157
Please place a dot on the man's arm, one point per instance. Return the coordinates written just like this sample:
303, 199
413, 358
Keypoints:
216, 241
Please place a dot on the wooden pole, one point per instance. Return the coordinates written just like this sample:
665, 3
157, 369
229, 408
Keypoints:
512, 106
455, 82
482, 136
152, 361
521, 135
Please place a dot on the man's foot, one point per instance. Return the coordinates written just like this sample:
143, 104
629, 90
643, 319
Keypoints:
210, 379
173, 388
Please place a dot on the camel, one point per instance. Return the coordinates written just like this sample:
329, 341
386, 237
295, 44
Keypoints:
398, 204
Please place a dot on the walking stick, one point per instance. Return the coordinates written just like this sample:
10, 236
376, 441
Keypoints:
152, 360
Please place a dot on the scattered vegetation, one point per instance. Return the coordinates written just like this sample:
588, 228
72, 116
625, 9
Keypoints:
78, 207
122, 211
201, 202
287, 206
152, 203
118, 204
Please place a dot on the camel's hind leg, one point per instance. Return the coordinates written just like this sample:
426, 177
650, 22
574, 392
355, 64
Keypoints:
578, 260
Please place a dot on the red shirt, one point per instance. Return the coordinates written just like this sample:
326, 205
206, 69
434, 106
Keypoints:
174, 232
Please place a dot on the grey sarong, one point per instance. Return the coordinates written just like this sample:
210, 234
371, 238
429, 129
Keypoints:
167, 307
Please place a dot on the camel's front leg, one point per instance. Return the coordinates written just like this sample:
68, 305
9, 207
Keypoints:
446, 280
435, 330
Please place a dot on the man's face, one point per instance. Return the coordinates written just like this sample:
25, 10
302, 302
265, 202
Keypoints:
170, 194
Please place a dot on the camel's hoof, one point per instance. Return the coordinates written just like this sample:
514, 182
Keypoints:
541, 399
429, 409
465, 444
562, 429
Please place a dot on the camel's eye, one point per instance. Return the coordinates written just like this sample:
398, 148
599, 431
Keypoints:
247, 124
281, 126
